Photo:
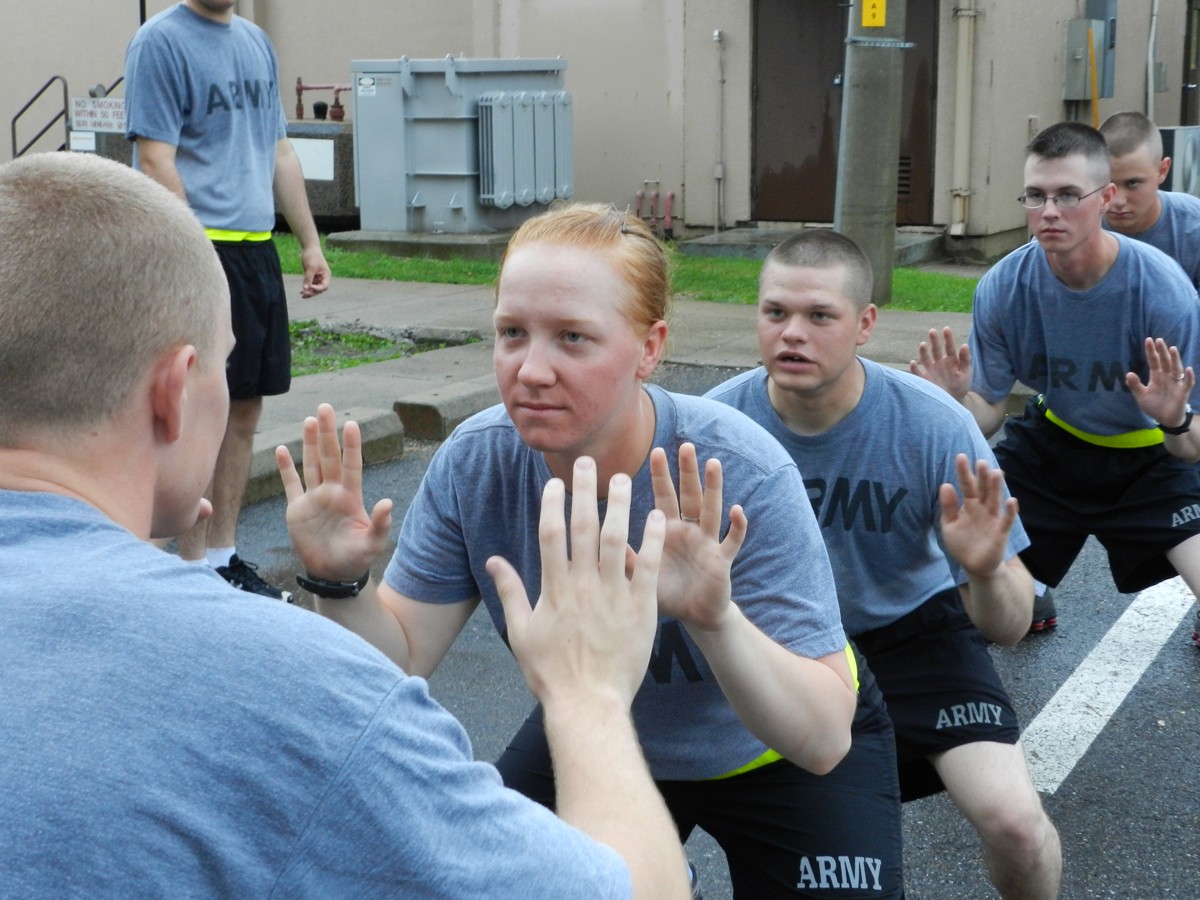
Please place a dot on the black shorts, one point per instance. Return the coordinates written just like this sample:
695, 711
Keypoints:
786, 833
261, 363
1139, 503
941, 687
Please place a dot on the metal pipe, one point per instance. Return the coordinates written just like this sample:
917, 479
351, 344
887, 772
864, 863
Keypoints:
964, 87
1150, 60
719, 166
336, 111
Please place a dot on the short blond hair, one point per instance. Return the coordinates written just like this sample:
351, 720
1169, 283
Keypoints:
101, 270
636, 254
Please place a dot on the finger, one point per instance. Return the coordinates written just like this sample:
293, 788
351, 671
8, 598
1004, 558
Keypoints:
661, 483
614, 534
948, 347
691, 495
310, 459
352, 458
329, 450
644, 583
552, 539
948, 501
966, 478
292, 488
585, 515
513, 598
736, 536
381, 518
714, 486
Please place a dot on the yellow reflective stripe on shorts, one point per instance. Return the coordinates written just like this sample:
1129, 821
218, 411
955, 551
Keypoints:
1129, 440
221, 234
771, 756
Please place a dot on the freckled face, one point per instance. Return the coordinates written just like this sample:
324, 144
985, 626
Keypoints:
1136, 206
808, 329
568, 361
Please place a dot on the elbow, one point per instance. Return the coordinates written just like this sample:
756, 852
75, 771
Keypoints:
832, 752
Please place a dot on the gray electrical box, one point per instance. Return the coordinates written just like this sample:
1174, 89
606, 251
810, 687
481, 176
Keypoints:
1080, 57
1106, 50
459, 145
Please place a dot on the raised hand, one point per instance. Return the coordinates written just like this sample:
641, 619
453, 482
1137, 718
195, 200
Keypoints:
1164, 397
593, 627
333, 535
940, 363
694, 583
976, 531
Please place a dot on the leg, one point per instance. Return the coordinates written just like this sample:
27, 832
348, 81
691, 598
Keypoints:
232, 471
1185, 558
990, 783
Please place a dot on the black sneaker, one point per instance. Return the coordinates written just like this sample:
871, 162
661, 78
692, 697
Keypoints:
1045, 615
244, 576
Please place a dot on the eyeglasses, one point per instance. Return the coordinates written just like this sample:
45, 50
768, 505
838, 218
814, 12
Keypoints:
1064, 200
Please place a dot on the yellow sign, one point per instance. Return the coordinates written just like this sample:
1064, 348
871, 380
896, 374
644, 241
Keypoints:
874, 13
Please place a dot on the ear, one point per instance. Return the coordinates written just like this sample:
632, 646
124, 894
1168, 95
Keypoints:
652, 349
169, 390
866, 322
1163, 168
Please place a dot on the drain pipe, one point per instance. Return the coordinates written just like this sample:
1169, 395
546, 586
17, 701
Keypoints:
1150, 60
964, 86
719, 167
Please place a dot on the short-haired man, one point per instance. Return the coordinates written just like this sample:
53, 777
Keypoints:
1168, 220
1100, 326
166, 735
921, 577
203, 110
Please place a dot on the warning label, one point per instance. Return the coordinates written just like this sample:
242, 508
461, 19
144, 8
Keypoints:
98, 114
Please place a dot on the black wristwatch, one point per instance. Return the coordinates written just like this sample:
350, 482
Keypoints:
1179, 429
333, 590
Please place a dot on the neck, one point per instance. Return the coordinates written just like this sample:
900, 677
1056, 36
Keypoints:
87, 476
223, 16
1086, 265
814, 413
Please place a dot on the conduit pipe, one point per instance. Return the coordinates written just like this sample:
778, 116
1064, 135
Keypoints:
964, 87
1150, 53
719, 166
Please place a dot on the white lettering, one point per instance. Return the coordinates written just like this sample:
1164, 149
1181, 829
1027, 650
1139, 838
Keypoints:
828, 867
808, 878
875, 865
854, 872
841, 872
943, 719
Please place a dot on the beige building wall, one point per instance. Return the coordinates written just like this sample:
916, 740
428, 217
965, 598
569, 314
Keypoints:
656, 98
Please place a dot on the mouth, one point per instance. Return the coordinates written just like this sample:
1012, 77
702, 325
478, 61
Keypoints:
791, 360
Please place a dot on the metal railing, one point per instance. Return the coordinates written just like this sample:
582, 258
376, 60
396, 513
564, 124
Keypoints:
62, 114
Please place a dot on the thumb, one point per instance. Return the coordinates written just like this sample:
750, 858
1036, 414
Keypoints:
513, 598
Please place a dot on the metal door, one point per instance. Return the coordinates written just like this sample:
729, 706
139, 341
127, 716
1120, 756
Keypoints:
1189, 112
798, 58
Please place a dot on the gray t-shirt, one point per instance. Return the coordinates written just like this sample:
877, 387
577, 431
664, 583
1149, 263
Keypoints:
212, 91
167, 735
482, 496
873, 479
1177, 231
1076, 346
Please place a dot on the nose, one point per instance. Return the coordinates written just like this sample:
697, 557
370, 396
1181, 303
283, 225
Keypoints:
535, 369
793, 330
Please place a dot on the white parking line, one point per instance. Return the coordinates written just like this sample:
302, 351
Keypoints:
1062, 732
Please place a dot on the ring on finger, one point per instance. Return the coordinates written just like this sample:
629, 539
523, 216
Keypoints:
1181, 377
692, 519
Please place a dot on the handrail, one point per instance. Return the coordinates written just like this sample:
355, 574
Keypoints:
62, 114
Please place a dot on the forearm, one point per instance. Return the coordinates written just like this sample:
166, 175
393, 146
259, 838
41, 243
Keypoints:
1184, 446
604, 788
988, 416
802, 708
1001, 603
156, 160
367, 617
291, 198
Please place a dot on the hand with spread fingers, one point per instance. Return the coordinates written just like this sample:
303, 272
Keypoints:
593, 627
940, 362
333, 536
1164, 397
976, 531
694, 582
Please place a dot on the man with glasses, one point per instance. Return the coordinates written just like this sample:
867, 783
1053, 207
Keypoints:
1101, 327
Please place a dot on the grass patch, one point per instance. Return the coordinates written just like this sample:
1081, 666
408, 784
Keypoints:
317, 349
711, 279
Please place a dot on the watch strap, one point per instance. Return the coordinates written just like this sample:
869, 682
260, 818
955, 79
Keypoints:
333, 590
1179, 429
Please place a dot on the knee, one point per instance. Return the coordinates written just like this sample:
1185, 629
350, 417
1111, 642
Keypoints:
1018, 829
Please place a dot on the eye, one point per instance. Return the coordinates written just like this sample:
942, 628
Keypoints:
773, 313
1067, 198
573, 337
509, 332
